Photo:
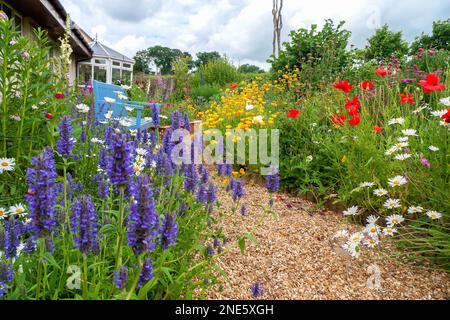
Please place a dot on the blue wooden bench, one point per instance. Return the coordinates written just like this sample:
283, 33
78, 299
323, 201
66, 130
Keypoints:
116, 107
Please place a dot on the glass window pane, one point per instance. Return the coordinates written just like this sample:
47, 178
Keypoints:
18, 23
116, 75
84, 72
100, 73
127, 65
100, 61
126, 76
7, 10
116, 63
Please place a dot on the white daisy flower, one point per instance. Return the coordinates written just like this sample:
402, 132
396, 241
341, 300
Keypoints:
342, 234
3, 213
439, 113
380, 192
445, 101
108, 114
258, 119
415, 209
34, 107
433, 148
394, 219
153, 164
7, 164
390, 151
397, 121
137, 169
352, 248
403, 139
15, 117
249, 106
400, 145
366, 184
392, 203
133, 132
97, 141
434, 215
18, 209
371, 219
141, 151
163, 116
109, 100
309, 158
420, 109
410, 132
125, 122
389, 231
371, 242
356, 237
372, 230
140, 160
397, 181
122, 96
82, 108
402, 157
129, 109
352, 211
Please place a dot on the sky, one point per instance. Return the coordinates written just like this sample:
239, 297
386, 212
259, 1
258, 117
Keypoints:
241, 29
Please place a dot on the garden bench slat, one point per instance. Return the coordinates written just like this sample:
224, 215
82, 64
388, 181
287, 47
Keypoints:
103, 90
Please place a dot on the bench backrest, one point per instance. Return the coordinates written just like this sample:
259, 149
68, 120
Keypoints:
102, 90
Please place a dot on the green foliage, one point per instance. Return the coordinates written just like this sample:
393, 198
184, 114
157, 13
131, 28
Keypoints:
439, 39
319, 54
205, 92
249, 68
204, 57
162, 57
385, 44
216, 72
182, 77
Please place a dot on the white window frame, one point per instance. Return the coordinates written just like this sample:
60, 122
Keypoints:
15, 12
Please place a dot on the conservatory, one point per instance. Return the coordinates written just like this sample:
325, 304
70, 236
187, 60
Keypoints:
106, 65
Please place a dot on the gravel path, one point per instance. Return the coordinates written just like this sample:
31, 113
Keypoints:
295, 257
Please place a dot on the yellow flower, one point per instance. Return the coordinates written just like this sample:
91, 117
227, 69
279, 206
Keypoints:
242, 171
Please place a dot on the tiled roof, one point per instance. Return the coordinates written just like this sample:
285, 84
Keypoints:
101, 50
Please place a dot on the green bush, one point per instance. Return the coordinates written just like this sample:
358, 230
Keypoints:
216, 72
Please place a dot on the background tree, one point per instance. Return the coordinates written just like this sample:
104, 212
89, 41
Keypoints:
249, 68
439, 38
162, 57
205, 57
320, 54
384, 44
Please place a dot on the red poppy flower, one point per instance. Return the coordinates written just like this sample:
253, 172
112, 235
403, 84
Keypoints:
382, 73
59, 95
377, 129
354, 121
352, 104
234, 86
293, 113
49, 116
406, 98
343, 85
446, 117
337, 119
431, 83
367, 85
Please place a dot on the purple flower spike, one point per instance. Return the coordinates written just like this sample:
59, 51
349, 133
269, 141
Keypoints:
84, 225
65, 142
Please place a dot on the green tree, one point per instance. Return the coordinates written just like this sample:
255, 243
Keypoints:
205, 57
439, 38
162, 57
384, 44
249, 68
320, 54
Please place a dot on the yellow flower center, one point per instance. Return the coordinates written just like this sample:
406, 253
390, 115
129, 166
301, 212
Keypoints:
19, 210
4, 164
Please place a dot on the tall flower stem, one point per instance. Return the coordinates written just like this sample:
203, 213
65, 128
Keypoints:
120, 226
136, 279
22, 116
40, 265
85, 278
